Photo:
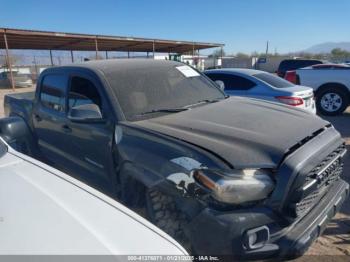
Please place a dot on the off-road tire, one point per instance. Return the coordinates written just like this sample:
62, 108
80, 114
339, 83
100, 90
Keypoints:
341, 93
163, 212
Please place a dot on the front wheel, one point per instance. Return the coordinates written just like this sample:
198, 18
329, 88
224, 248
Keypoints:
332, 101
163, 213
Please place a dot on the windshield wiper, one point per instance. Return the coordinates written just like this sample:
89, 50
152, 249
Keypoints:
180, 109
165, 110
203, 101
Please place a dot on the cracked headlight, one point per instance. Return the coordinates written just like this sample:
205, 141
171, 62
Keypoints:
236, 187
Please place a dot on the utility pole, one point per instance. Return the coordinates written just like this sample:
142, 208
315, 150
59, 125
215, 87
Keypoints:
267, 47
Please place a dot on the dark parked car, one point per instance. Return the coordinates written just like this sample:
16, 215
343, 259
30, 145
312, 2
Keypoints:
222, 175
293, 64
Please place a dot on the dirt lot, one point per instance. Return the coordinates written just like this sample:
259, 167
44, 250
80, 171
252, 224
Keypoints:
336, 238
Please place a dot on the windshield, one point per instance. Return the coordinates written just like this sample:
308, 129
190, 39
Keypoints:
274, 81
161, 89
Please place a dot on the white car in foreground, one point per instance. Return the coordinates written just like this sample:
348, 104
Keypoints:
330, 82
46, 212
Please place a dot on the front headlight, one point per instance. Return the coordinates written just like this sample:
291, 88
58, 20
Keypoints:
237, 187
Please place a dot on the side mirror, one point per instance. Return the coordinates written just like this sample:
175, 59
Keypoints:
85, 113
220, 84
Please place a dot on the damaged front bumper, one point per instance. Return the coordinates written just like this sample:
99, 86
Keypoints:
259, 233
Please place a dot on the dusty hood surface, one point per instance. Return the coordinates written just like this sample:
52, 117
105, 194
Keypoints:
245, 132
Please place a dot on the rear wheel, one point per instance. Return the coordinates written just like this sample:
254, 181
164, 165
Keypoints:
164, 213
332, 101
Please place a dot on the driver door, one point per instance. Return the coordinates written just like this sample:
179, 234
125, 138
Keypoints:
89, 143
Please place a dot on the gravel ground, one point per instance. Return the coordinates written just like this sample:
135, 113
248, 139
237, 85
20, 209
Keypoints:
335, 242
336, 238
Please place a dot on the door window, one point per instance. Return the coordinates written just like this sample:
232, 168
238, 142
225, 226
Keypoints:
52, 92
233, 82
83, 91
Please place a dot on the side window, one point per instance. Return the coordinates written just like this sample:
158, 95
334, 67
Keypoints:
302, 64
233, 82
239, 83
52, 92
83, 91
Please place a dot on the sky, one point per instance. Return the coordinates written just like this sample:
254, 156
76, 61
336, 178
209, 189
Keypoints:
242, 25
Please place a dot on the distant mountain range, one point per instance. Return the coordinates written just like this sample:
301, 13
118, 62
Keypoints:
328, 47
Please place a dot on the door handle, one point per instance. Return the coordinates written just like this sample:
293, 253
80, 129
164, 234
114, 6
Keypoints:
66, 129
37, 118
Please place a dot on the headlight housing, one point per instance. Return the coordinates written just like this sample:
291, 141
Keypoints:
237, 187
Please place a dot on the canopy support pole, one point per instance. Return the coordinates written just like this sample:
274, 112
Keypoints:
51, 59
154, 49
72, 56
96, 48
9, 62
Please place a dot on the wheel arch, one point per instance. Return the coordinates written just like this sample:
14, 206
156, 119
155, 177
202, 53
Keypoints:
139, 180
332, 85
14, 129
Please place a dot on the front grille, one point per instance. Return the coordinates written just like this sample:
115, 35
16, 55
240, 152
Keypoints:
319, 180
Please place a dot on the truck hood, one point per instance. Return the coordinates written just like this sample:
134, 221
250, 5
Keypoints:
245, 132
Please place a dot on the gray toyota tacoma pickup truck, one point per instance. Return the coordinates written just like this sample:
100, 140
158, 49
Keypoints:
222, 175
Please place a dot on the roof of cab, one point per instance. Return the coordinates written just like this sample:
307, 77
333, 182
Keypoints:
243, 71
109, 68
123, 64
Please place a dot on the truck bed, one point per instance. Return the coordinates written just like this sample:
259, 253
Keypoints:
19, 104
317, 77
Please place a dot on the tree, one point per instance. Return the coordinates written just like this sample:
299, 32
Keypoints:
99, 57
4, 62
218, 53
242, 55
255, 54
339, 54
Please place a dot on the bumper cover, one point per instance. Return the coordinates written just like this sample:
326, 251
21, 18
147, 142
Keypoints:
221, 233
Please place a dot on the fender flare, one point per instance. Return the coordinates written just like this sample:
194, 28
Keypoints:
134, 181
139, 181
332, 84
14, 130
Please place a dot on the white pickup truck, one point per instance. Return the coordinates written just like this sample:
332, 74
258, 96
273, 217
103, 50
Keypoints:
331, 84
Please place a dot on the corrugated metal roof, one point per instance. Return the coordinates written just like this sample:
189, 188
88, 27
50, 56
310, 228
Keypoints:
45, 40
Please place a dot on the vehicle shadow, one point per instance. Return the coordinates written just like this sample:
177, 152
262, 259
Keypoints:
341, 123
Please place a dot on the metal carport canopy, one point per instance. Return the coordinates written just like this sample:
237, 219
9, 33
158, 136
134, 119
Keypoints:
45, 40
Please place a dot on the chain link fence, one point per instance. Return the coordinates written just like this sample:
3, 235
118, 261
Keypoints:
30, 63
